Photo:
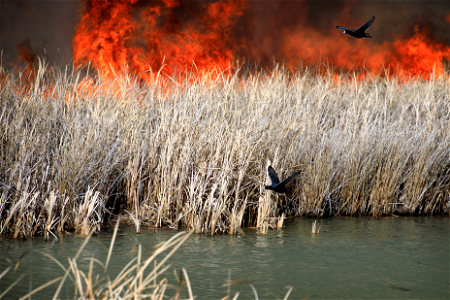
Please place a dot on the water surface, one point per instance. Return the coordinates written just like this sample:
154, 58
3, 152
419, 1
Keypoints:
351, 258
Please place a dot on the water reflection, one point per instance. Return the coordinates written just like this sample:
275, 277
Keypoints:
262, 241
395, 258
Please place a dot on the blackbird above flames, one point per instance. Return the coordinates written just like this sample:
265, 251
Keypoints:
360, 32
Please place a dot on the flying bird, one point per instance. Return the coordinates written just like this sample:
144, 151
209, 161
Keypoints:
360, 32
277, 186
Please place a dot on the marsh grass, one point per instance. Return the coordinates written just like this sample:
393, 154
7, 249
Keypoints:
140, 278
314, 229
144, 277
192, 152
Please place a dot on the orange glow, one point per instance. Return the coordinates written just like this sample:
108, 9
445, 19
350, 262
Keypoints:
410, 57
182, 37
116, 37
103, 34
27, 56
418, 56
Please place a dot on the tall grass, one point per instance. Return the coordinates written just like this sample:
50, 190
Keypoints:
140, 278
193, 152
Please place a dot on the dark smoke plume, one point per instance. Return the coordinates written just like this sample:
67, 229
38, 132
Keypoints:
256, 31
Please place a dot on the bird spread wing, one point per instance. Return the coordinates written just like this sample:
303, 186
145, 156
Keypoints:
290, 178
366, 25
342, 28
273, 176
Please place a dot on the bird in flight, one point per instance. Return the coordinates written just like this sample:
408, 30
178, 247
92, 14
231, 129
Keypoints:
277, 186
360, 32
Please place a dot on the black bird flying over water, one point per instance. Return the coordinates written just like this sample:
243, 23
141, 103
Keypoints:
277, 186
360, 32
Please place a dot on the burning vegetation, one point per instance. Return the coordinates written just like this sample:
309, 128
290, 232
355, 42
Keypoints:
139, 36
188, 36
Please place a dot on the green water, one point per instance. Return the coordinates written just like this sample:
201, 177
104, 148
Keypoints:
351, 258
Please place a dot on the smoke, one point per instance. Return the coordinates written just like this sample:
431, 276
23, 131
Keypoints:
306, 30
149, 34
45, 27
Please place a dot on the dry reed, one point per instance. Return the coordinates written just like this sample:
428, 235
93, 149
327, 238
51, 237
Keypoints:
193, 152
137, 280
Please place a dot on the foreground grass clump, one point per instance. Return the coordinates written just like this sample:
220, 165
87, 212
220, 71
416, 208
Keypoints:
143, 277
194, 152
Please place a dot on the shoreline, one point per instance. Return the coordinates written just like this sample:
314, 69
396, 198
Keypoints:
76, 150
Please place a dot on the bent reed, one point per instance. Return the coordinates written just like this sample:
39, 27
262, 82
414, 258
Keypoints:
193, 152
143, 277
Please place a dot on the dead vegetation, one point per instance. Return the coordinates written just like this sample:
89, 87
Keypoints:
193, 152
146, 276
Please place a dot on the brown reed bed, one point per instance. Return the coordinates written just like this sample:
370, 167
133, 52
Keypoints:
193, 152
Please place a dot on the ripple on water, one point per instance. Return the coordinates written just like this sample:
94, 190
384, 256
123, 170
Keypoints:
363, 258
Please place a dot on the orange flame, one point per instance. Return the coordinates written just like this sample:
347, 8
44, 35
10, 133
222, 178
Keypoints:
418, 56
121, 36
177, 36
27, 56
410, 57
103, 35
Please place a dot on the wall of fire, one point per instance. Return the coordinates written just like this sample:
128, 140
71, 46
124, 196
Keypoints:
143, 33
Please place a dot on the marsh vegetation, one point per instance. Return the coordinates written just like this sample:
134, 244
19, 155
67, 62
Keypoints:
192, 152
